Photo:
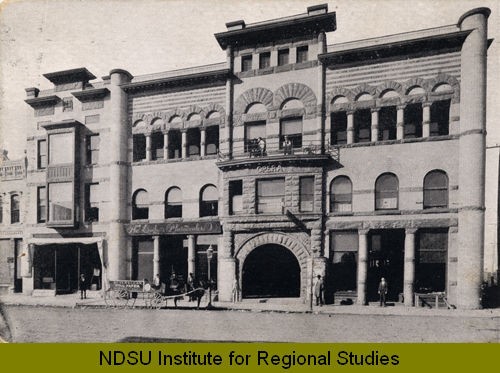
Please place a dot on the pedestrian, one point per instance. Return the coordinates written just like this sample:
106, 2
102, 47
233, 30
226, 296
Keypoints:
157, 282
319, 290
236, 291
382, 291
83, 286
262, 146
287, 145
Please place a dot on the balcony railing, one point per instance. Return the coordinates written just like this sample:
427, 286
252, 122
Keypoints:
12, 170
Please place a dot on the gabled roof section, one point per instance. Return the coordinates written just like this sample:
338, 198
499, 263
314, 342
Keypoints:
69, 76
317, 19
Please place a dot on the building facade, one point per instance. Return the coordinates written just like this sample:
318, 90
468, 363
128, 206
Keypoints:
292, 158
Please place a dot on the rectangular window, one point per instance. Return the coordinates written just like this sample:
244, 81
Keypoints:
193, 140
139, 148
344, 258
157, 145
41, 205
61, 148
339, 128
302, 54
253, 131
387, 118
67, 104
264, 60
61, 202
430, 271
283, 57
92, 149
212, 140
440, 118
42, 154
413, 121
246, 62
235, 197
292, 129
174, 144
92, 202
362, 125
270, 195
307, 194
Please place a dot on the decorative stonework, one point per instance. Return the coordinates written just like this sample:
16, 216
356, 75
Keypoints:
295, 90
262, 95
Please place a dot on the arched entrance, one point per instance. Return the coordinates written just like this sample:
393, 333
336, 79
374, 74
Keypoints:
270, 271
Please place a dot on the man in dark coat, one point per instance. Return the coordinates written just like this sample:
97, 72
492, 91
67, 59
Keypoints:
83, 287
382, 291
319, 289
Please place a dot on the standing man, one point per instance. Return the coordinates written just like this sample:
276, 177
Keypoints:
382, 291
287, 145
319, 290
83, 286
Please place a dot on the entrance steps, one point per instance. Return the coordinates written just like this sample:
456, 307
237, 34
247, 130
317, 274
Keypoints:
44, 293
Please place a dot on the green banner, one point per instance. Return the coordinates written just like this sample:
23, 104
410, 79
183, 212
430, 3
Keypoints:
248, 357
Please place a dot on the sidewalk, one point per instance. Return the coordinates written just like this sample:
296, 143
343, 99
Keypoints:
94, 299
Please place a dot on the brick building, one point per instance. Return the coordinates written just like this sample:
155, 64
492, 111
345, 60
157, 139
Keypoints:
290, 159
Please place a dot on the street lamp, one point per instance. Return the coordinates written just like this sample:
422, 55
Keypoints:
210, 253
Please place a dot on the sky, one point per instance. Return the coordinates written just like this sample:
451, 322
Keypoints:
148, 36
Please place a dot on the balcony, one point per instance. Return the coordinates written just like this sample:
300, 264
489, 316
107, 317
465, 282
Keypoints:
253, 153
12, 170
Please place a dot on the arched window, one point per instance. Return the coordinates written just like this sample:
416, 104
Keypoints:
14, 209
386, 192
173, 203
193, 141
212, 140
435, 189
140, 202
139, 147
413, 117
440, 118
341, 194
209, 201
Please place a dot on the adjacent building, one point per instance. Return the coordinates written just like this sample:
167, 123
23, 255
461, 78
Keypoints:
290, 159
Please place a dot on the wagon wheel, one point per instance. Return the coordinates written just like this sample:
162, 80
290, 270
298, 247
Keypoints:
156, 301
116, 298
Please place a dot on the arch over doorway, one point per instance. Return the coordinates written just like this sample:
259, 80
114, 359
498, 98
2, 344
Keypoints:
271, 271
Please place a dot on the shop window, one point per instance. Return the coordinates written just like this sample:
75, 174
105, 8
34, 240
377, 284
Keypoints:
41, 203
42, 154
61, 148
209, 201
139, 147
173, 203
339, 128
193, 142
435, 189
212, 140
174, 144
344, 259
140, 205
431, 258
341, 194
92, 149
413, 121
92, 202
362, 125
246, 62
61, 205
235, 197
306, 194
14, 209
386, 192
387, 123
270, 195
157, 145
440, 118
264, 60
292, 128
302, 54
254, 131
283, 57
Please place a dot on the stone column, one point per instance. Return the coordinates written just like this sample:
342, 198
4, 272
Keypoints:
118, 193
226, 141
321, 133
156, 256
191, 254
426, 119
226, 266
149, 154
400, 122
472, 154
165, 145
409, 267
350, 127
202, 141
184, 143
375, 124
362, 266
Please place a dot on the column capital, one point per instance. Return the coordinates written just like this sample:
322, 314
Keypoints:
426, 104
363, 231
375, 109
411, 230
401, 106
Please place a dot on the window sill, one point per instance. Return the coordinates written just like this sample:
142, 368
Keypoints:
388, 212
